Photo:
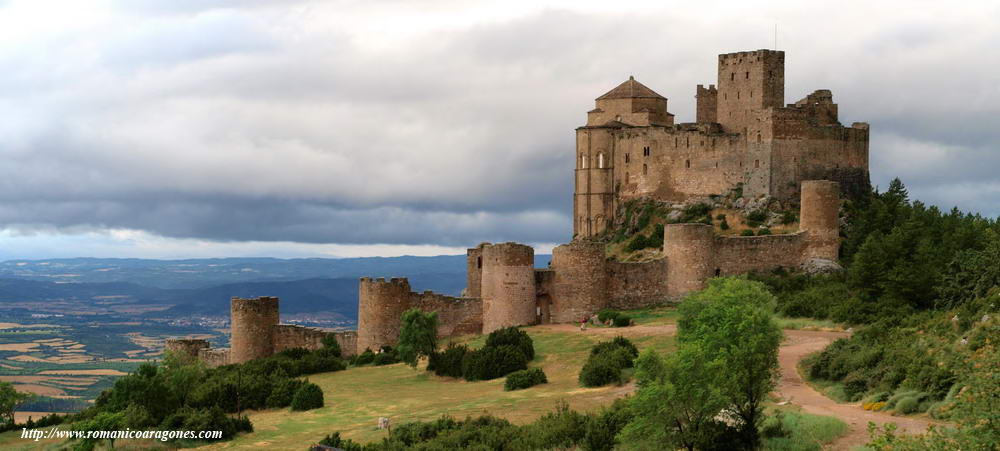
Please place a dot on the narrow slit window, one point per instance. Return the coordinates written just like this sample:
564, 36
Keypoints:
644, 169
756, 163
687, 164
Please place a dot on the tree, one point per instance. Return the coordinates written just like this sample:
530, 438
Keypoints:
732, 320
10, 399
417, 335
678, 400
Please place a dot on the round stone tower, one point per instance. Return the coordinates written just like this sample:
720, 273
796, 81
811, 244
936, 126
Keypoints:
252, 323
819, 219
580, 285
380, 308
689, 250
508, 286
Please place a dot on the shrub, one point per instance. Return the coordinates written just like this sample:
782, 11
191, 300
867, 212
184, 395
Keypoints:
774, 426
385, 358
512, 336
756, 217
696, 212
598, 372
764, 231
638, 242
334, 441
309, 396
908, 405
617, 342
720, 217
789, 217
449, 361
623, 321
331, 346
282, 393
364, 358
524, 378
606, 314
724, 225
746, 232
492, 362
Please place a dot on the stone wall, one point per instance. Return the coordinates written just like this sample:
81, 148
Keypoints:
743, 254
637, 285
288, 336
456, 316
186, 347
253, 322
348, 341
214, 357
819, 218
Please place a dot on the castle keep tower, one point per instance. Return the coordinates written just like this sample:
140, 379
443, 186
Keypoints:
819, 219
580, 288
380, 306
508, 286
749, 82
252, 323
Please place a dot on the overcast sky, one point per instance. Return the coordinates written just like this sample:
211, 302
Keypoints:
190, 128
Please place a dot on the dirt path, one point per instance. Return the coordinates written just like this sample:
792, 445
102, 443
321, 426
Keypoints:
798, 344
791, 387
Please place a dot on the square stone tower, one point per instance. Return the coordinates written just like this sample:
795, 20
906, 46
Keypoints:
749, 82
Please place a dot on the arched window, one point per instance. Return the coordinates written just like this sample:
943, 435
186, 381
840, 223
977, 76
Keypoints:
583, 161
687, 164
643, 169
758, 136
600, 161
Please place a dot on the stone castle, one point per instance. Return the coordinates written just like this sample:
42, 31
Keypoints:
744, 136
630, 148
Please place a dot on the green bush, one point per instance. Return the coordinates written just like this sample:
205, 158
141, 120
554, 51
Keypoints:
385, 358
448, 362
724, 225
606, 314
696, 213
309, 396
764, 231
720, 217
598, 372
746, 232
756, 218
617, 342
512, 336
492, 362
908, 405
524, 378
623, 321
789, 217
364, 358
638, 242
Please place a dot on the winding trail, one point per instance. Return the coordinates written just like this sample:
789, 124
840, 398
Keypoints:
792, 388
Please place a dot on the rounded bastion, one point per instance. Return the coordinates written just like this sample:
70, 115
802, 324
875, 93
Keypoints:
819, 217
508, 286
380, 309
689, 250
252, 324
580, 288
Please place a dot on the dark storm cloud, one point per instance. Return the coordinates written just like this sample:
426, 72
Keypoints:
368, 122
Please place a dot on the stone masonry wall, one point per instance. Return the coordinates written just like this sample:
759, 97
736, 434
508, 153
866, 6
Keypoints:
637, 285
456, 316
580, 281
214, 357
743, 254
288, 336
381, 303
186, 347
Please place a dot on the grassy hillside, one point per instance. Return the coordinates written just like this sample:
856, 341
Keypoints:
355, 398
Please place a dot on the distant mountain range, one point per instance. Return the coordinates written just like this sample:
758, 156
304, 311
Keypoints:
204, 286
